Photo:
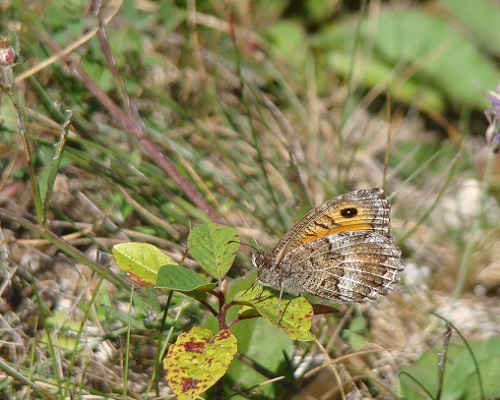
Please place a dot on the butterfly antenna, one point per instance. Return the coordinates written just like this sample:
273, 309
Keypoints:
388, 142
251, 231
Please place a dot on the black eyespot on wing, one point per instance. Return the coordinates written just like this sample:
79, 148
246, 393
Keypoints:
349, 212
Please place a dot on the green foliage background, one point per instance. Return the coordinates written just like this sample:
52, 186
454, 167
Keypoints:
246, 113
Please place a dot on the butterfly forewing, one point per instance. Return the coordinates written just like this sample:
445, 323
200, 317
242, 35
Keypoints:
366, 209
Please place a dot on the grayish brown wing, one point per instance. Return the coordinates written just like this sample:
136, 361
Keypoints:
352, 266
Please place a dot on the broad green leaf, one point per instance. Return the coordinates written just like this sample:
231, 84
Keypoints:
261, 341
291, 314
180, 278
411, 52
461, 379
480, 18
270, 347
442, 55
214, 247
141, 261
197, 360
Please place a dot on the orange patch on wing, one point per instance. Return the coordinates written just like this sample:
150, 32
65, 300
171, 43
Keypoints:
319, 233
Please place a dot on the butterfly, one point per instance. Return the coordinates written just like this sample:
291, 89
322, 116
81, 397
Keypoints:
341, 250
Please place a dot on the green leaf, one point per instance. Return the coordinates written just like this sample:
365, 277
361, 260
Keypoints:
416, 55
271, 347
444, 57
291, 314
141, 261
179, 278
214, 247
197, 360
461, 379
480, 18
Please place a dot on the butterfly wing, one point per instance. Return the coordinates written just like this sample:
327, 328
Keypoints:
361, 210
352, 266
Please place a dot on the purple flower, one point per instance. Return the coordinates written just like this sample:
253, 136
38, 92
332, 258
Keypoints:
493, 117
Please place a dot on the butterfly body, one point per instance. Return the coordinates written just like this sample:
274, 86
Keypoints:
341, 250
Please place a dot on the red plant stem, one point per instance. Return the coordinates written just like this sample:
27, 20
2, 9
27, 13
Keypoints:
222, 311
